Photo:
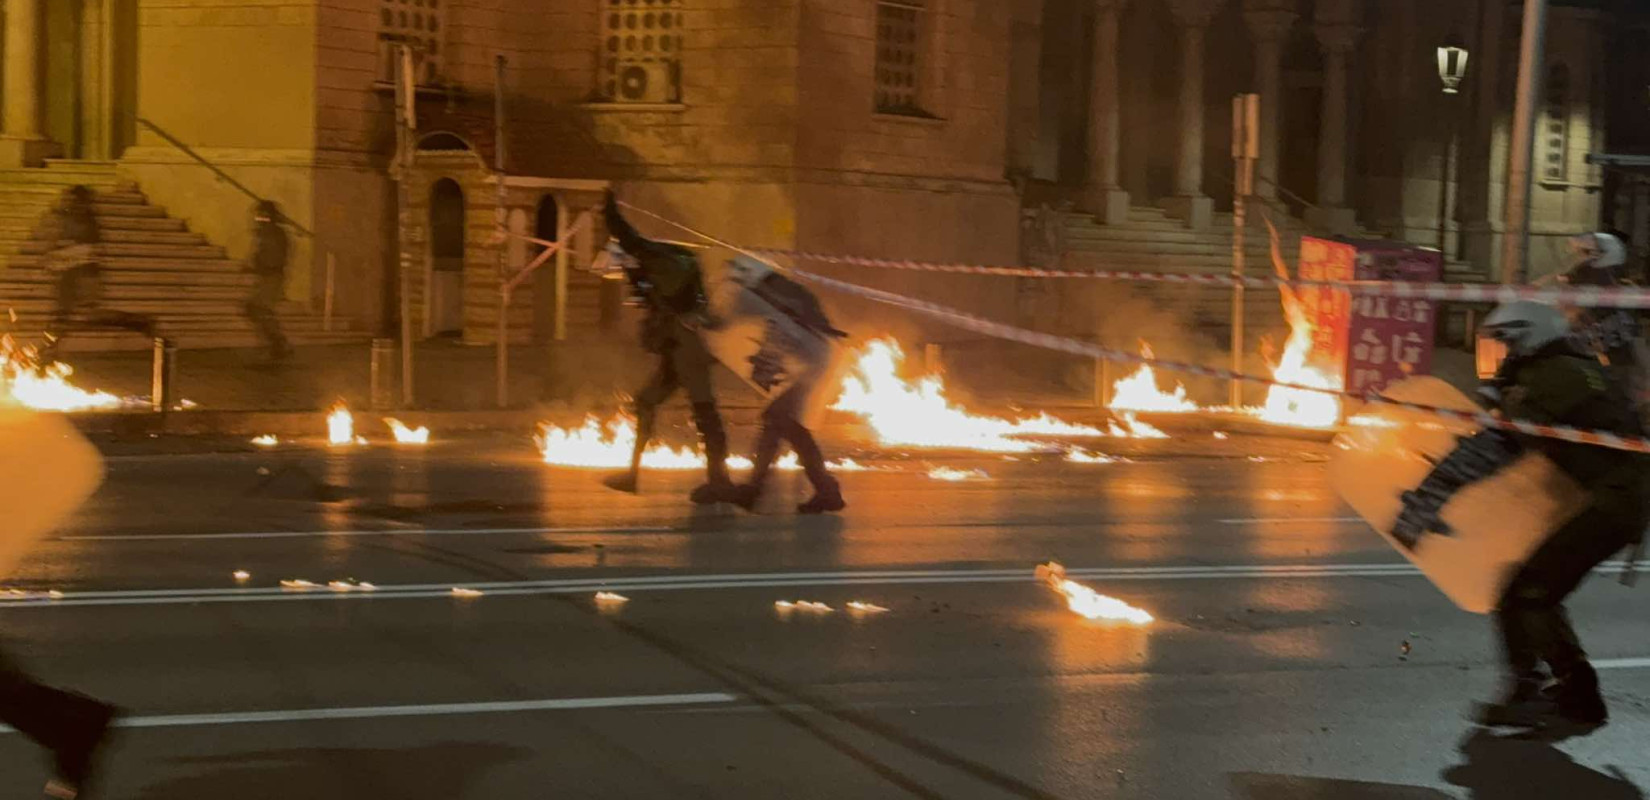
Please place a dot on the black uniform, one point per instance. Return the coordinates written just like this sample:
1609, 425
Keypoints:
1560, 384
70, 725
668, 280
80, 275
268, 266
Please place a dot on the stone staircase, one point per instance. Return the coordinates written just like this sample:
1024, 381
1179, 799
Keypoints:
1150, 240
153, 264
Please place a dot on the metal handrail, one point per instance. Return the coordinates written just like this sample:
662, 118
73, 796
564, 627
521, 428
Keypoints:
183, 147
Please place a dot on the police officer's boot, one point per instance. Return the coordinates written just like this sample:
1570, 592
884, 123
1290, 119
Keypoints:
718, 488
1578, 698
827, 491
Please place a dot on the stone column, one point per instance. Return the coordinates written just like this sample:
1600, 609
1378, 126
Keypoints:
21, 141
1106, 198
1269, 23
1189, 202
1337, 40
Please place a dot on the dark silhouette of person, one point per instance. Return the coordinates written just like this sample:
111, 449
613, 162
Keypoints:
1525, 767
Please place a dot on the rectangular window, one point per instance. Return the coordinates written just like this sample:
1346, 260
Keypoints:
1553, 129
418, 23
641, 51
900, 57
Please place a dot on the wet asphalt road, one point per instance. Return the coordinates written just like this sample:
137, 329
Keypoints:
1276, 670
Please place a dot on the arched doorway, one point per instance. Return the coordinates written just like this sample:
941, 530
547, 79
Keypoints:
444, 306
545, 227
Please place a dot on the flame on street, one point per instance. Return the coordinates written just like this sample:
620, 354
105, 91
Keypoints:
958, 475
46, 387
611, 598
608, 445
266, 440
860, 608
341, 427
921, 415
1300, 407
1087, 602
406, 435
1140, 392
787, 607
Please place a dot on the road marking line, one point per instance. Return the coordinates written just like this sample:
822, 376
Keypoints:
1278, 520
1621, 663
660, 583
436, 710
165, 537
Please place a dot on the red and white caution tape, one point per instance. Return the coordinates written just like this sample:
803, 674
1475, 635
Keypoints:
1584, 296
965, 321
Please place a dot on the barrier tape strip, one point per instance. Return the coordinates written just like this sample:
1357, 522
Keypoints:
1630, 297
965, 321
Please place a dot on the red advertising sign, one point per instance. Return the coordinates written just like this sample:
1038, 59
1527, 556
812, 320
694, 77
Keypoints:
1390, 337
1330, 310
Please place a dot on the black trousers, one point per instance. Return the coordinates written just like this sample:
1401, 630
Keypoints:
780, 426
685, 365
1531, 618
260, 309
53, 718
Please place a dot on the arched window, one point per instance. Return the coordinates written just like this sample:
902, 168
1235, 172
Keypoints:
447, 224
1554, 129
641, 51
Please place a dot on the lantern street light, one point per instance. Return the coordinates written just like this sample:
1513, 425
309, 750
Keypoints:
1452, 64
1452, 70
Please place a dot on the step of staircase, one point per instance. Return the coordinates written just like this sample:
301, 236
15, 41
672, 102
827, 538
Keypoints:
152, 265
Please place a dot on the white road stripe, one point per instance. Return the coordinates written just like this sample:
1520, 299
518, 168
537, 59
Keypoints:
1622, 663
437, 710
169, 537
660, 583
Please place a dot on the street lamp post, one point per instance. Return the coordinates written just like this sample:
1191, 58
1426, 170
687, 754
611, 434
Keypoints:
1452, 70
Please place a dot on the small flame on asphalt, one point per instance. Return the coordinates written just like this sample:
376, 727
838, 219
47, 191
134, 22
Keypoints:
406, 435
610, 599
1087, 602
1080, 457
460, 591
242, 575
297, 583
858, 607
785, 607
1221, 436
958, 475
351, 585
266, 440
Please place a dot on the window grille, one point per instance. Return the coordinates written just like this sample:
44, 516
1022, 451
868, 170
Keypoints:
641, 51
900, 56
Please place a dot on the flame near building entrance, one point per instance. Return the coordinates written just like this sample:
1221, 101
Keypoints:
46, 387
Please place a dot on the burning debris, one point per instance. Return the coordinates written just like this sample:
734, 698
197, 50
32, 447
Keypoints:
610, 599
958, 475
298, 584
406, 435
786, 607
1299, 407
1082, 457
46, 387
341, 427
1140, 392
266, 440
1087, 602
461, 591
858, 608
242, 576
922, 415
607, 445
351, 585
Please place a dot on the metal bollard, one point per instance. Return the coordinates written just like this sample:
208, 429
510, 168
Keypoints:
163, 376
383, 362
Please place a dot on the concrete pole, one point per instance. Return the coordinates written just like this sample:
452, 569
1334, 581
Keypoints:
1107, 199
1515, 241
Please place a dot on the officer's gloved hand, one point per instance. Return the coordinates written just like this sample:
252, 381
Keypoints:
1420, 516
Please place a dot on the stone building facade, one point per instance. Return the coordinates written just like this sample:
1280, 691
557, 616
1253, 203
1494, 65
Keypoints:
1357, 131
902, 128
